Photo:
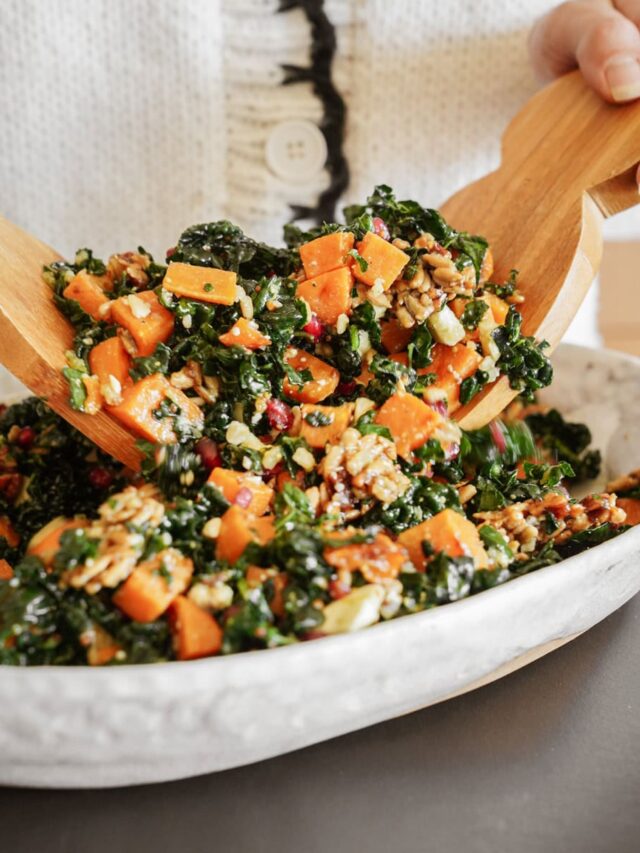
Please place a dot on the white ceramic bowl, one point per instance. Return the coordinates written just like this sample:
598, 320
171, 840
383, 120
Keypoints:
82, 727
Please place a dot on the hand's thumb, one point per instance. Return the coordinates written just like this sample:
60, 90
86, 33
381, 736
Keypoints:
598, 39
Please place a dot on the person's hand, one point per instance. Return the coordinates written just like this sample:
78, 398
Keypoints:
601, 37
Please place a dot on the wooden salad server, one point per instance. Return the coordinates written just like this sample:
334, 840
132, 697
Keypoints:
34, 337
568, 161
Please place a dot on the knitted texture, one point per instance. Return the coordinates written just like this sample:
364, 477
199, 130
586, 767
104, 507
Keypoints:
126, 121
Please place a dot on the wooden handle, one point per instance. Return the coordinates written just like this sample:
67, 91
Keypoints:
568, 161
34, 337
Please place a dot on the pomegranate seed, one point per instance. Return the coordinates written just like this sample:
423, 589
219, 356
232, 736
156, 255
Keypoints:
338, 589
279, 415
209, 454
244, 497
440, 407
314, 328
171, 252
278, 468
380, 228
497, 436
347, 388
100, 478
26, 437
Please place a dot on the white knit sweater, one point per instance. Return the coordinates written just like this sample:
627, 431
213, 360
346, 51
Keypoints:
123, 121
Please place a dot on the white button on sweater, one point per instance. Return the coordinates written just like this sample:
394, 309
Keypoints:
122, 123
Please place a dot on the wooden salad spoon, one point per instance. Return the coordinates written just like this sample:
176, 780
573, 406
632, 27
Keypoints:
568, 161
34, 337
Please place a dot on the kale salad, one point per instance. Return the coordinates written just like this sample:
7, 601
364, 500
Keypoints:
301, 470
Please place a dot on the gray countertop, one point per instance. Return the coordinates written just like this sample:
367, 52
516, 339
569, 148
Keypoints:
547, 759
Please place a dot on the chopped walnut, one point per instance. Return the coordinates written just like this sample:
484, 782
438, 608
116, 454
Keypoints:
358, 470
119, 533
132, 265
190, 376
522, 523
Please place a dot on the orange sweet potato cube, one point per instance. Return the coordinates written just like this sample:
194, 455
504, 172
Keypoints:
203, 284
337, 420
109, 359
324, 379
451, 365
632, 507
447, 531
238, 528
385, 261
88, 292
326, 253
147, 321
409, 420
395, 338
196, 634
140, 402
328, 294
230, 482
245, 333
153, 585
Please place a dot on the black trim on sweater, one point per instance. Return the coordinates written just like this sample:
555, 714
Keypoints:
332, 125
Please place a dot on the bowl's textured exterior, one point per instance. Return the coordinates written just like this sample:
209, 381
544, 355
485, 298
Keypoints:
77, 727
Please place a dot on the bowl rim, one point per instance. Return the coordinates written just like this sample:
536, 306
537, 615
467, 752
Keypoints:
573, 565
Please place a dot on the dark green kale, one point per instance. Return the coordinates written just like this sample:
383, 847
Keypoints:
225, 246
407, 220
474, 311
522, 358
387, 373
57, 472
157, 362
567, 441
423, 499
420, 347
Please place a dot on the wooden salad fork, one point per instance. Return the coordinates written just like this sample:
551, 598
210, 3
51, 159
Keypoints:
568, 161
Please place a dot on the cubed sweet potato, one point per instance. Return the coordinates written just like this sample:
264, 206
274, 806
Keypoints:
328, 294
45, 544
204, 284
238, 528
6, 572
231, 483
448, 531
323, 424
409, 420
148, 322
632, 507
326, 253
499, 308
196, 634
324, 380
141, 400
384, 261
153, 585
87, 291
109, 360
395, 338
245, 333
451, 366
